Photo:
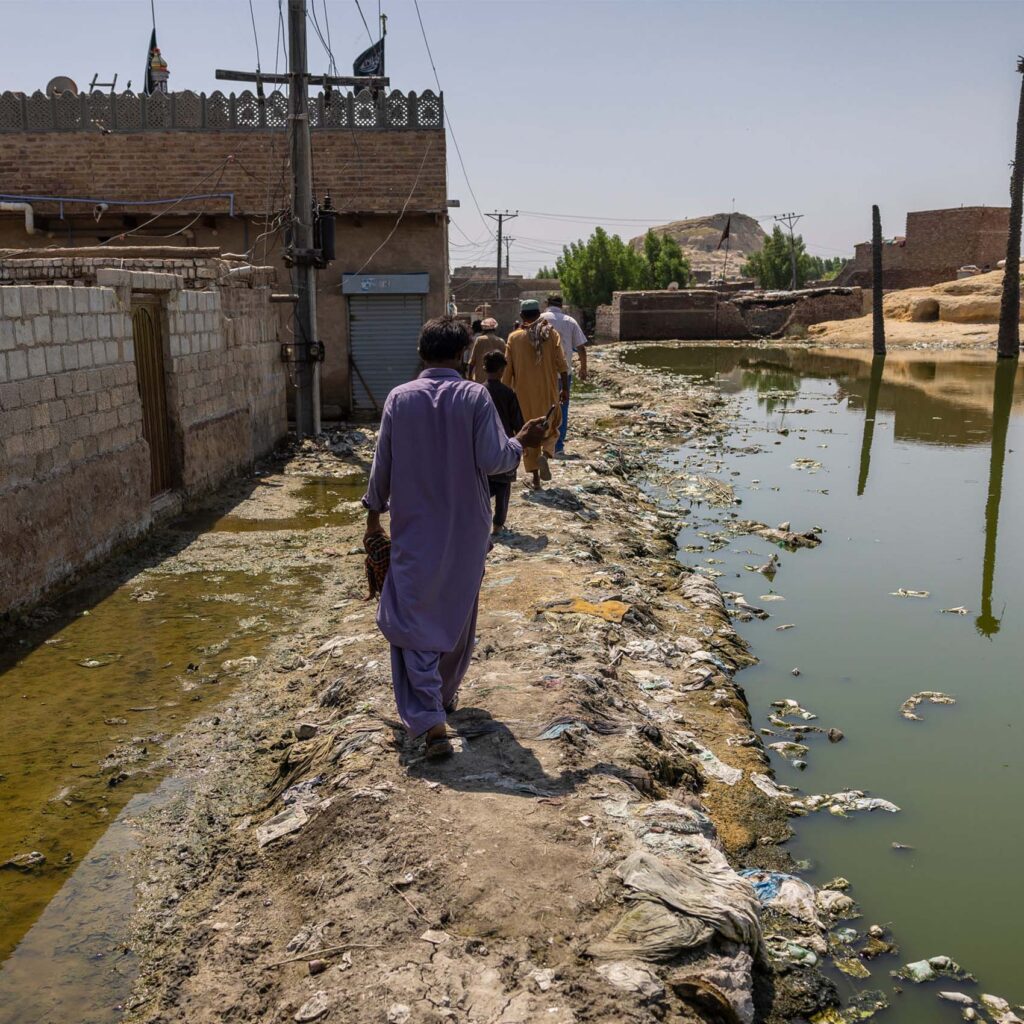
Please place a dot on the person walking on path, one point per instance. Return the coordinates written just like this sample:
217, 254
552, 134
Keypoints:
538, 374
440, 438
487, 341
573, 340
511, 417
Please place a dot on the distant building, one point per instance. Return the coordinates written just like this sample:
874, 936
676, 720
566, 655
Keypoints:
473, 290
936, 245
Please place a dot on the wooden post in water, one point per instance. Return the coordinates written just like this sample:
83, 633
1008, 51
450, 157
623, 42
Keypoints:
1002, 400
874, 386
1008, 346
877, 314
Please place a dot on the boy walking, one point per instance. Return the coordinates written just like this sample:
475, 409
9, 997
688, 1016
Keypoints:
511, 417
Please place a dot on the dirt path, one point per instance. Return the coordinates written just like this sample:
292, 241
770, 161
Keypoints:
484, 889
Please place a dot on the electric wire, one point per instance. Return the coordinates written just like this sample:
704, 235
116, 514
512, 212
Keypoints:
255, 36
405, 206
451, 127
365, 25
219, 171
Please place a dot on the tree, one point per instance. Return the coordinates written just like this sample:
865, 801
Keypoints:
771, 267
546, 273
665, 260
590, 271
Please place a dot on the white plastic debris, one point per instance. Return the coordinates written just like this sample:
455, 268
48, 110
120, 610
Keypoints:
291, 819
932, 696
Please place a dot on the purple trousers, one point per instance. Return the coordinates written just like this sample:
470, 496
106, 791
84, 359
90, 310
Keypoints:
426, 681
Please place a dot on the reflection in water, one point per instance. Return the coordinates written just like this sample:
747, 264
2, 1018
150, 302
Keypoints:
1002, 401
940, 398
874, 386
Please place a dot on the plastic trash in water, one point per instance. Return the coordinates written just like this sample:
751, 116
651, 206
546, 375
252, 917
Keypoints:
934, 967
932, 696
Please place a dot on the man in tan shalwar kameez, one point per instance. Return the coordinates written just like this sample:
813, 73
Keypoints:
538, 374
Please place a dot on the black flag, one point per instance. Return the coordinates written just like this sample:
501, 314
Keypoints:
371, 61
725, 232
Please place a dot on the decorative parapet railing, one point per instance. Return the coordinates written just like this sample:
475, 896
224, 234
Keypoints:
190, 111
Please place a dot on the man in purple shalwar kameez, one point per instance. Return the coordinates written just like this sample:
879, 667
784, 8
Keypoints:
440, 438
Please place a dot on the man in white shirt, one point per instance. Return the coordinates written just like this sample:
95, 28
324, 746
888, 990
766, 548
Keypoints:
573, 340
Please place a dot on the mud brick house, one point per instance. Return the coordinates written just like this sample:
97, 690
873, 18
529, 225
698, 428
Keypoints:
196, 170
936, 245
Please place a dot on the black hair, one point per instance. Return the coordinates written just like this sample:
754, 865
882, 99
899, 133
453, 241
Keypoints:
478, 325
495, 361
555, 300
443, 339
530, 316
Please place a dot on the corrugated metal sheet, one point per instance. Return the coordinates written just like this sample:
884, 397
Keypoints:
383, 332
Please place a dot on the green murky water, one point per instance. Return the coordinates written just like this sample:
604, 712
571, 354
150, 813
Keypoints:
88, 700
326, 501
920, 486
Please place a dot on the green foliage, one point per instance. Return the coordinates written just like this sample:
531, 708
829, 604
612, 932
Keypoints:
772, 266
546, 272
590, 271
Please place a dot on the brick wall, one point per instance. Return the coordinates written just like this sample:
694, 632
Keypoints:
704, 314
372, 173
937, 244
74, 465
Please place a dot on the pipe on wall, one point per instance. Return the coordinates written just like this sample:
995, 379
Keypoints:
25, 208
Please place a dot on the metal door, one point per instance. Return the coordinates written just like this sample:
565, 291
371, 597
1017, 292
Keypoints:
383, 332
149, 367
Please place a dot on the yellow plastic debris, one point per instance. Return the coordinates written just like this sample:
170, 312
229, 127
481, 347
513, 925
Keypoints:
610, 611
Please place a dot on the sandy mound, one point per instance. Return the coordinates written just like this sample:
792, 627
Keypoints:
698, 237
962, 312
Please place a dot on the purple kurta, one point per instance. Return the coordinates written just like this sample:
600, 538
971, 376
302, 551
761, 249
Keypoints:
440, 438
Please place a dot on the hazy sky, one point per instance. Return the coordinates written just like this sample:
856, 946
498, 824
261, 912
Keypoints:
630, 112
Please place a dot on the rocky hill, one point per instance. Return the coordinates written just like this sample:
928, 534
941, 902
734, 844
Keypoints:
698, 237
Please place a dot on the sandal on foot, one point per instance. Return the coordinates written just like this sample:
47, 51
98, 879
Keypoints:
452, 706
438, 748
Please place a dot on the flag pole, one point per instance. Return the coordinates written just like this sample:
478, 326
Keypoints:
152, 10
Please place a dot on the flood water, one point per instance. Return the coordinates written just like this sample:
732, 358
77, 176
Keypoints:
920, 486
89, 698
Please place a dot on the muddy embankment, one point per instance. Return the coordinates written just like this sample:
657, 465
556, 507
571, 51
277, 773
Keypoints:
576, 860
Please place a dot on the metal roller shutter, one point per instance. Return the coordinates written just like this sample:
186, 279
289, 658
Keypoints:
383, 332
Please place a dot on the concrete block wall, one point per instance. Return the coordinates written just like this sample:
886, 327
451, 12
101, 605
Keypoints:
74, 468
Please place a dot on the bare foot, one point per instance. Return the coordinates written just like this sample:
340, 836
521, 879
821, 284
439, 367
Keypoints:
535, 481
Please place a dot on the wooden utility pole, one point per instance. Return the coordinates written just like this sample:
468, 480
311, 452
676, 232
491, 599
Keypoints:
1008, 346
877, 312
508, 245
302, 255
789, 219
500, 217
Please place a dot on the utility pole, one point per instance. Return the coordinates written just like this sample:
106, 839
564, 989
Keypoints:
305, 253
500, 217
508, 245
877, 309
789, 219
1009, 308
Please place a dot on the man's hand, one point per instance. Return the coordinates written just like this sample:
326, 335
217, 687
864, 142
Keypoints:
533, 432
372, 525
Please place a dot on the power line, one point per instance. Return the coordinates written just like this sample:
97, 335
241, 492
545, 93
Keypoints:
255, 35
365, 25
447, 117
405, 206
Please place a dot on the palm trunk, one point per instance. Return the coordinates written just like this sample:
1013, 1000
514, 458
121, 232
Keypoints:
877, 317
1009, 310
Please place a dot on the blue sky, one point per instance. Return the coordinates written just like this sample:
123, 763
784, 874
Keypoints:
630, 112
